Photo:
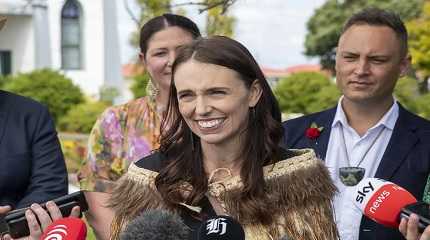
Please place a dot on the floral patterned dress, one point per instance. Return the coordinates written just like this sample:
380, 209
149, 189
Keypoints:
123, 134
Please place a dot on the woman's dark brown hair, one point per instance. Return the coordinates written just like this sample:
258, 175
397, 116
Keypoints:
182, 147
159, 23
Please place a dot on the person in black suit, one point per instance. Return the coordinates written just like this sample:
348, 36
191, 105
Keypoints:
368, 134
32, 167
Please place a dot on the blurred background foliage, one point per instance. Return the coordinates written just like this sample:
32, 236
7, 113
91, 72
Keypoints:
49, 87
139, 84
306, 92
309, 92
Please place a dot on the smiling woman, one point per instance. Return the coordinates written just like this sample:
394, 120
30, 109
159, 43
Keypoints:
219, 154
215, 103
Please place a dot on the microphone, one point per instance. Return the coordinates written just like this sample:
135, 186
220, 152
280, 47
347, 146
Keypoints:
385, 203
69, 228
221, 228
156, 225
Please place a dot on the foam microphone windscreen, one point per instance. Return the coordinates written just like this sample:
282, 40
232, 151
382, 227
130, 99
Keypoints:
382, 201
156, 225
69, 228
221, 228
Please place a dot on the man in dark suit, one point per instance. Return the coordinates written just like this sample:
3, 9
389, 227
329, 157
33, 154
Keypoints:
32, 167
368, 134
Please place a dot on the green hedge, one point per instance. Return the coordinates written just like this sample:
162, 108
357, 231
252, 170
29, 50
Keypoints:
306, 92
82, 117
48, 87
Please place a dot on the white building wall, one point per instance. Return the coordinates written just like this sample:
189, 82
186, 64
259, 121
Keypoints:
91, 77
17, 36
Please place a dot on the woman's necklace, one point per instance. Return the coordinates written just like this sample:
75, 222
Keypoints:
351, 176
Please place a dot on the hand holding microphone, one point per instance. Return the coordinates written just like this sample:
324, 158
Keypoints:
409, 229
387, 203
36, 212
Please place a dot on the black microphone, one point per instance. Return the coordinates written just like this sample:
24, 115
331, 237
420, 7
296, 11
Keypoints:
156, 225
221, 228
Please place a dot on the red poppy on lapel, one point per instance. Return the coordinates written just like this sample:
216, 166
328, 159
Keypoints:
313, 132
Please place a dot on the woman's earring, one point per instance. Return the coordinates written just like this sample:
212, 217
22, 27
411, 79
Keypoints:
151, 90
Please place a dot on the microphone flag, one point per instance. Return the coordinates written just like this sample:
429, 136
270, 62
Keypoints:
69, 228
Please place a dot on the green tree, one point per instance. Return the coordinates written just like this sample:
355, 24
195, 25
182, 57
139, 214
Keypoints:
3, 80
423, 106
108, 94
218, 22
306, 93
48, 87
326, 23
82, 117
406, 92
419, 45
140, 82
147, 10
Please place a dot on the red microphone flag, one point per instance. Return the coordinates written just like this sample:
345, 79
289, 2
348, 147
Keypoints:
70, 228
382, 201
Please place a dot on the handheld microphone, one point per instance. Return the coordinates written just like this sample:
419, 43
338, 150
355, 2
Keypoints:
385, 203
221, 228
69, 228
156, 225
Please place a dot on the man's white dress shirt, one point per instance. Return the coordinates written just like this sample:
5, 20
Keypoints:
348, 217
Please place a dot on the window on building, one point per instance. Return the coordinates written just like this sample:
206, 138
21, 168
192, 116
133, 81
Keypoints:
71, 39
5, 63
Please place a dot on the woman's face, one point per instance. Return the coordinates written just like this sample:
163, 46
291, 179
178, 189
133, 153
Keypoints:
214, 101
161, 53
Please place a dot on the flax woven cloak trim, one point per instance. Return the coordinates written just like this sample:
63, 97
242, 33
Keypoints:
299, 187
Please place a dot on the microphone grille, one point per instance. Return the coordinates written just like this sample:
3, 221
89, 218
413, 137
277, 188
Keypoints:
156, 225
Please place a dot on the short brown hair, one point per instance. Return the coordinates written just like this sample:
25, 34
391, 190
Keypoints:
379, 17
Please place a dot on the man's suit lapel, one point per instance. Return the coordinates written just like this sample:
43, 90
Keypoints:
401, 142
325, 120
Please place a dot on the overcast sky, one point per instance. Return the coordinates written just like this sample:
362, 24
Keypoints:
273, 30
